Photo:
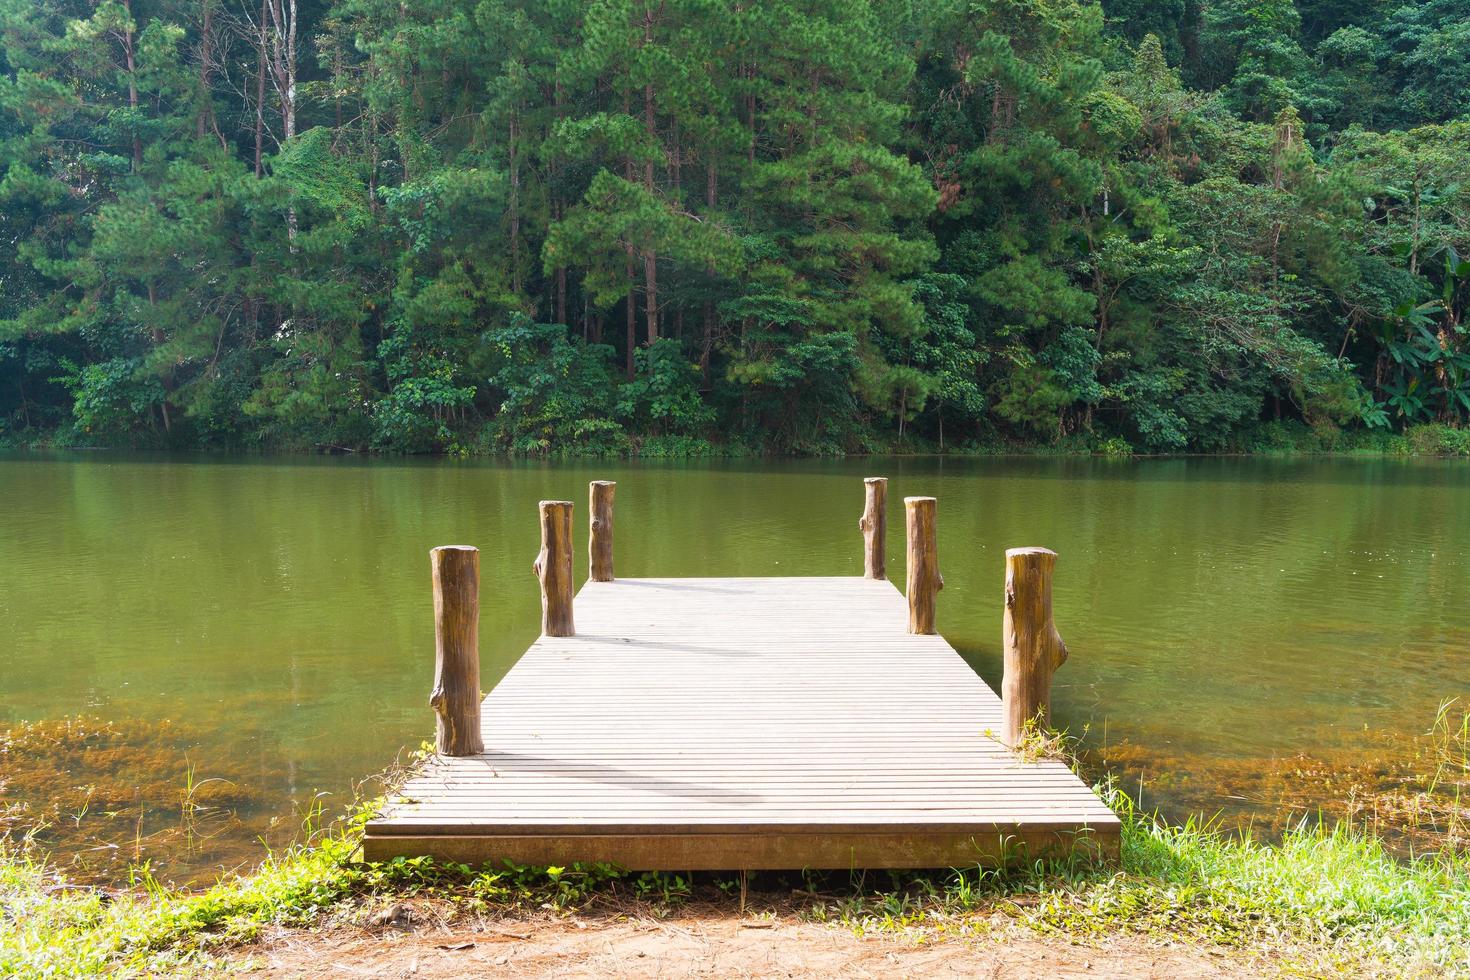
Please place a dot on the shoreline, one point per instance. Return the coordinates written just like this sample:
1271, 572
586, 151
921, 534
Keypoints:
1421, 442
1322, 902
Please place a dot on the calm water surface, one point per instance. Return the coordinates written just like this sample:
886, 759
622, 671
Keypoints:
1219, 611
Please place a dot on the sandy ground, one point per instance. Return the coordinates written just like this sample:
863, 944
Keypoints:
705, 946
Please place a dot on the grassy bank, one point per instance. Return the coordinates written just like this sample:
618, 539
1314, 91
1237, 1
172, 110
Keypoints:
1322, 899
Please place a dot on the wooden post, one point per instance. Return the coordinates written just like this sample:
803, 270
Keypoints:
1033, 648
553, 566
874, 525
924, 579
600, 539
456, 696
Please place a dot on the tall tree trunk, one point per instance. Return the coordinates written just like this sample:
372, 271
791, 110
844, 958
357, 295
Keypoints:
630, 310
1276, 230
561, 294
25, 404
1002, 114
558, 208
711, 196
284, 19
749, 72
127, 43
650, 294
260, 91
650, 255
632, 316
157, 335
676, 181
1414, 233
515, 201
370, 145
288, 110
206, 59
285, 16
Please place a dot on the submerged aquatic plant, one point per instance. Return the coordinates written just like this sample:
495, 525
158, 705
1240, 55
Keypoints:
1410, 792
1449, 782
102, 796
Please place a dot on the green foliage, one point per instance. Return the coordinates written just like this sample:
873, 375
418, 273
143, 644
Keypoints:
109, 397
663, 399
423, 400
798, 226
554, 393
1438, 440
1030, 397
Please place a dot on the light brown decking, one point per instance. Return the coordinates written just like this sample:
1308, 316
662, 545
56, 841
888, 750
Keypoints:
748, 723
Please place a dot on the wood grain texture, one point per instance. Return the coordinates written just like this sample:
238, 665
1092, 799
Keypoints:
456, 695
742, 723
553, 567
1033, 647
874, 525
600, 530
924, 580
746, 851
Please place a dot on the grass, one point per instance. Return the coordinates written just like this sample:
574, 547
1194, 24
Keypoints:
1334, 891
1332, 887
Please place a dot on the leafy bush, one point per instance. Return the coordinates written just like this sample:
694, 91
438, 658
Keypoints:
1031, 398
313, 392
1438, 440
113, 397
796, 394
553, 392
675, 447
663, 398
416, 414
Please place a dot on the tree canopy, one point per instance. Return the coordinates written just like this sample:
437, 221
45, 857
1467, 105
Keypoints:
788, 225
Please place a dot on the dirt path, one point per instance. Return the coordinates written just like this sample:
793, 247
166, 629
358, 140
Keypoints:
711, 947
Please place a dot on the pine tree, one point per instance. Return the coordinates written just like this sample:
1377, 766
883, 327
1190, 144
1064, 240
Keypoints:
834, 218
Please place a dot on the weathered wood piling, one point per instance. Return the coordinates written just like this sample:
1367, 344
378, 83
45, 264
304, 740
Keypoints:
456, 695
1033, 647
600, 530
553, 566
924, 580
874, 525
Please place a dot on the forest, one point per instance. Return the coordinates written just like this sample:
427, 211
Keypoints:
681, 227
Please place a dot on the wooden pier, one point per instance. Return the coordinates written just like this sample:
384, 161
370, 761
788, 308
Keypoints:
742, 724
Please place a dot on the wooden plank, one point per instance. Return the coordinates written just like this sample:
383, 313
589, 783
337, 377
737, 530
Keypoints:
764, 849
742, 723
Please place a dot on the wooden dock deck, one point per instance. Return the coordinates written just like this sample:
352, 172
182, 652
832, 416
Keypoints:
742, 724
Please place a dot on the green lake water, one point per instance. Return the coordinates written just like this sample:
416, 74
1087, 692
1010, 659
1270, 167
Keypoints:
1219, 612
